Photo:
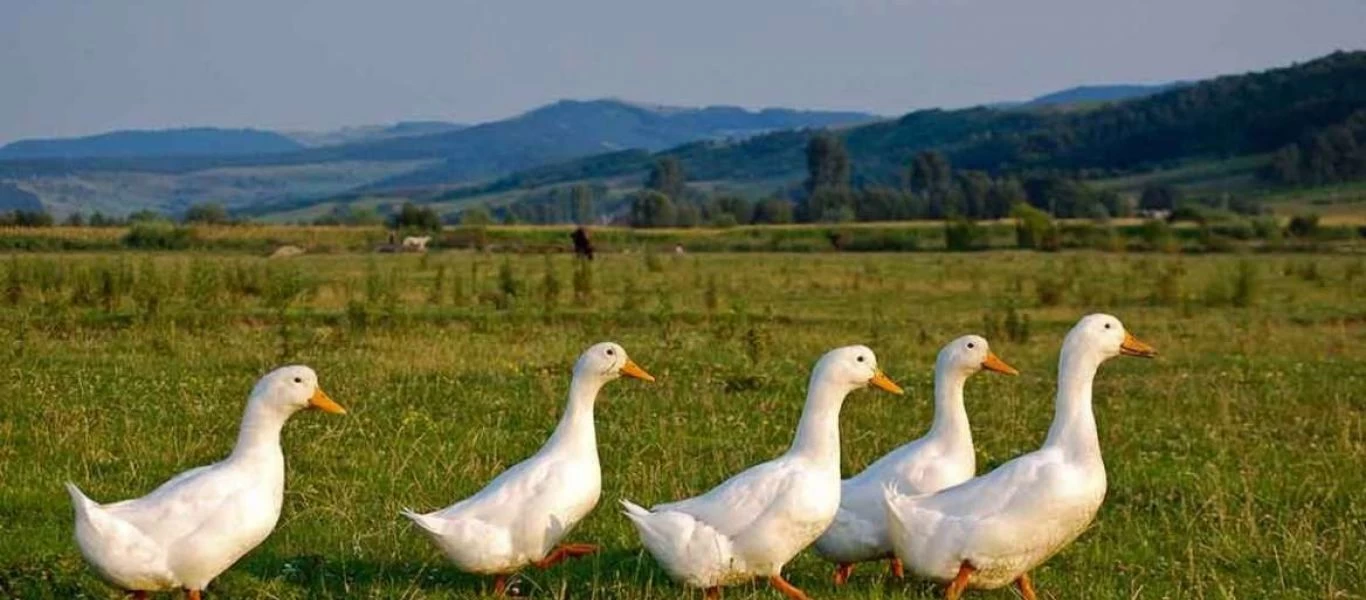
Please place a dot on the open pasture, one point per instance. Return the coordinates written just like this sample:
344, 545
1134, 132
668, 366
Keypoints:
1237, 460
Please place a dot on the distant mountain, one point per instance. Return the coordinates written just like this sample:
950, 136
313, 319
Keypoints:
12, 198
118, 177
1234, 115
370, 133
568, 129
198, 141
1090, 94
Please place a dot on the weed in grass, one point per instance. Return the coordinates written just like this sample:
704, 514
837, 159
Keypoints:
550, 286
583, 282
437, 294
651, 258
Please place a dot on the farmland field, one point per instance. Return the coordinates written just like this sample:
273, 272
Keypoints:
1236, 460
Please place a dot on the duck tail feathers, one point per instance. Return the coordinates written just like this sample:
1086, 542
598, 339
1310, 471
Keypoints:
632, 509
426, 523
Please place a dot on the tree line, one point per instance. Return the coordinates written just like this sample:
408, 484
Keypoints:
1330, 155
929, 188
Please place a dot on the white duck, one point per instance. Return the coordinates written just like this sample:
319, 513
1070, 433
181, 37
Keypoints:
199, 523
992, 530
943, 457
755, 522
523, 513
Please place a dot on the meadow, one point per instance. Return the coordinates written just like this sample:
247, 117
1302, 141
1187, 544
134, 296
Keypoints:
1236, 460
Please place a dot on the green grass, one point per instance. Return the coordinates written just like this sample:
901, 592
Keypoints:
1236, 460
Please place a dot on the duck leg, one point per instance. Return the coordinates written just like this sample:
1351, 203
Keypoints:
192, 594
565, 552
712, 593
842, 573
786, 588
138, 595
500, 585
897, 569
1026, 587
960, 582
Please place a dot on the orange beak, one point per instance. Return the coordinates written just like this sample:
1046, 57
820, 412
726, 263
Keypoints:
631, 369
994, 363
1133, 346
882, 382
321, 402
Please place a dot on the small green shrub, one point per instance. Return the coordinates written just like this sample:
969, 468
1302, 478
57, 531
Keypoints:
158, 236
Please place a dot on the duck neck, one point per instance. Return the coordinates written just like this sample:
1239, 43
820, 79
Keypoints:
950, 417
575, 430
818, 432
259, 436
1074, 423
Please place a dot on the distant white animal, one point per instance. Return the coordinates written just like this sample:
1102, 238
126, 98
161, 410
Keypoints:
415, 243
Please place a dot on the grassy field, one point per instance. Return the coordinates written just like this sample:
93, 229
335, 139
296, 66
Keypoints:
1236, 460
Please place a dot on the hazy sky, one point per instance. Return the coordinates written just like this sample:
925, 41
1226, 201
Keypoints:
81, 66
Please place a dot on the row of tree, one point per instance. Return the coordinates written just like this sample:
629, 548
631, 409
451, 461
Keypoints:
1332, 155
930, 189
196, 214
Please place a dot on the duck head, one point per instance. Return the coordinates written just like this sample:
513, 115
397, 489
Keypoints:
607, 361
852, 367
1104, 337
969, 354
291, 389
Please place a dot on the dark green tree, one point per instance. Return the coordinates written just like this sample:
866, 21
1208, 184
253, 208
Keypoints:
974, 186
651, 208
666, 177
581, 198
207, 213
1159, 196
1003, 196
729, 208
476, 216
773, 211
827, 164
412, 216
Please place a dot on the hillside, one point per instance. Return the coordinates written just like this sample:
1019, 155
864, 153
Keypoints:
1229, 116
198, 141
370, 133
569, 129
120, 180
1091, 94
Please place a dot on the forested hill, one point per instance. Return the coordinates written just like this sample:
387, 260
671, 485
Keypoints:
195, 141
1223, 117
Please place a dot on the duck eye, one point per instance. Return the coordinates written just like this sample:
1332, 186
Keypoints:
1107, 325
860, 359
971, 345
611, 352
298, 380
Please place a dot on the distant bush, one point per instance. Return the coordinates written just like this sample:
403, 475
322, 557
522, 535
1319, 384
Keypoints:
1157, 235
208, 213
412, 216
158, 236
1267, 228
1303, 226
964, 235
26, 218
1035, 228
884, 240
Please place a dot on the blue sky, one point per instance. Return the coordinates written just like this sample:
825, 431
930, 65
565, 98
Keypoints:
74, 67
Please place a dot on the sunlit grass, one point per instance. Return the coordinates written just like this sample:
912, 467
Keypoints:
1236, 460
